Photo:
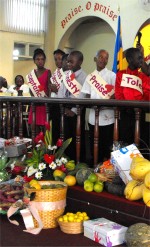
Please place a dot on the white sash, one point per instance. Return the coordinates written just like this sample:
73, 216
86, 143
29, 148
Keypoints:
73, 86
34, 85
57, 78
132, 81
101, 87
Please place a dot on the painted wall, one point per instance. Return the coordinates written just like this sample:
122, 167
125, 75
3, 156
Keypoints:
131, 12
8, 67
65, 29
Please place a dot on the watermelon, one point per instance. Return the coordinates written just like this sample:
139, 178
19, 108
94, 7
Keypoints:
83, 174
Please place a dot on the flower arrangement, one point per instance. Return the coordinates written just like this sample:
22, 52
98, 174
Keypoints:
46, 157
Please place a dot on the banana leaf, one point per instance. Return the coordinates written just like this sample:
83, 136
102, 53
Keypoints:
61, 150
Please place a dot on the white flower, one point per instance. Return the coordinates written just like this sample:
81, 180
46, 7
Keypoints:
38, 175
38, 145
64, 160
54, 147
50, 147
58, 162
31, 171
42, 166
53, 165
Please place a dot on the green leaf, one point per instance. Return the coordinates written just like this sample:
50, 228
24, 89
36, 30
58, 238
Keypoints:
61, 150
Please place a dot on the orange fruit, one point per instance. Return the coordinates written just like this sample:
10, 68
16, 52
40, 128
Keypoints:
70, 180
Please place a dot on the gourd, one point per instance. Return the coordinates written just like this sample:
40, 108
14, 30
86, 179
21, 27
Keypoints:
138, 235
116, 189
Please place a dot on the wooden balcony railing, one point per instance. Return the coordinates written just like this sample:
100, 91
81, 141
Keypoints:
12, 115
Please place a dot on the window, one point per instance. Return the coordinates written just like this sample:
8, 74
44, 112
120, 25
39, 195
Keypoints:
26, 16
24, 51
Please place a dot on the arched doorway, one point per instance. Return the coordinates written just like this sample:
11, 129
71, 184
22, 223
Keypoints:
89, 34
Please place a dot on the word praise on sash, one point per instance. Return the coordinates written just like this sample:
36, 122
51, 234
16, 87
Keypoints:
34, 85
71, 83
101, 87
132, 81
57, 78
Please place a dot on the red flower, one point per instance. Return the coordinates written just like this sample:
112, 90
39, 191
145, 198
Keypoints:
72, 76
47, 126
27, 179
59, 143
49, 158
62, 168
41, 88
39, 137
17, 170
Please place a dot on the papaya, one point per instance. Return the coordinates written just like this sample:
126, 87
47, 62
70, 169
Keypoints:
146, 196
134, 190
147, 180
139, 168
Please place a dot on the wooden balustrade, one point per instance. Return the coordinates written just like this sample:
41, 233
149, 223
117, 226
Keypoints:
12, 113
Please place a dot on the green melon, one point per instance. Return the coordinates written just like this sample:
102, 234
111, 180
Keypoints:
138, 235
83, 174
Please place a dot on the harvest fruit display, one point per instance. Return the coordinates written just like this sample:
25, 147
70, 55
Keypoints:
139, 168
9, 194
82, 174
138, 235
74, 217
93, 184
139, 187
134, 190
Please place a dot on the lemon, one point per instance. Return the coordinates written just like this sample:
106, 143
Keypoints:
70, 180
71, 218
78, 220
86, 218
60, 219
65, 218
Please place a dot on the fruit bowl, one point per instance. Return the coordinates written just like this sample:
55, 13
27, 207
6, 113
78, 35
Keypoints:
71, 227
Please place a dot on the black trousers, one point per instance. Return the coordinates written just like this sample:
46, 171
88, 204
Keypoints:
105, 141
70, 132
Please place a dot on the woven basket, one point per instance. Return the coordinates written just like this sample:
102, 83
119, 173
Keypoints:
71, 227
49, 217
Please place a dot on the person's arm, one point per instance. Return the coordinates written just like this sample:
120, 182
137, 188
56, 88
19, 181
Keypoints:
146, 68
118, 89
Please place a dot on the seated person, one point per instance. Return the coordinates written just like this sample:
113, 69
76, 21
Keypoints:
19, 88
3, 85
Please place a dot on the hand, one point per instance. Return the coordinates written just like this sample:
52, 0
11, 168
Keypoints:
53, 88
69, 113
140, 47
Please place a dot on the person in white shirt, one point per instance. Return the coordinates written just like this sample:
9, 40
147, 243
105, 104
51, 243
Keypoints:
19, 88
106, 115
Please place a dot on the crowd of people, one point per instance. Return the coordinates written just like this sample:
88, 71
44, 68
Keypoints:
70, 81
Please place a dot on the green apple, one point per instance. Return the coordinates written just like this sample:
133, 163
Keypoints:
98, 186
88, 185
93, 178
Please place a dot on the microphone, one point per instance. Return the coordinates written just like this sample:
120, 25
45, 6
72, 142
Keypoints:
139, 37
